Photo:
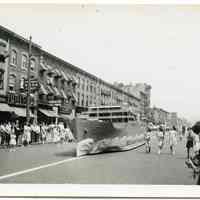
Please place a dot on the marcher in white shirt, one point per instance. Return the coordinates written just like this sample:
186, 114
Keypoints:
69, 134
173, 140
35, 132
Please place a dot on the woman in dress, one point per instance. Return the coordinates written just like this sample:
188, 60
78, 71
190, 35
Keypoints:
8, 133
56, 134
27, 134
160, 137
12, 139
43, 133
172, 140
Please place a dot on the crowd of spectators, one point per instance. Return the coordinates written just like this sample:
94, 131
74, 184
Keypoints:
14, 134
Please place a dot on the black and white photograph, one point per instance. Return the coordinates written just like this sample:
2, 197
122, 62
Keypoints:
100, 94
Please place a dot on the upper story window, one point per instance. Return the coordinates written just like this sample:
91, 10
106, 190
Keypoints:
50, 81
33, 63
1, 79
83, 85
22, 80
79, 81
24, 61
14, 57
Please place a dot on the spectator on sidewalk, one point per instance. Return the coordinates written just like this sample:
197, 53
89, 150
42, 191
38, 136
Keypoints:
8, 133
17, 131
3, 134
27, 134
43, 133
35, 129
70, 137
12, 138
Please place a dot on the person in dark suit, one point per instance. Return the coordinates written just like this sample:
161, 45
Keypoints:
17, 131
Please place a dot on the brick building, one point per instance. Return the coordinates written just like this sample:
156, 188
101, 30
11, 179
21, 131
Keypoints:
63, 87
143, 92
161, 116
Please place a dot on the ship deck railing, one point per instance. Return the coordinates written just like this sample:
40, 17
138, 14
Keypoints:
107, 111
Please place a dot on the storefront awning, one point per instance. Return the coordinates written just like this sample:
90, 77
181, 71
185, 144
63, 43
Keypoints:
43, 67
74, 96
49, 67
68, 117
50, 90
63, 94
21, 112
56, 92
57, 73
5, 108
69, 77
64, 77
42, 90
48, 113
75, 80
50, 70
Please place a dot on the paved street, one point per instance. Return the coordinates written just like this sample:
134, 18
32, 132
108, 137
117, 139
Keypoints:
131, 167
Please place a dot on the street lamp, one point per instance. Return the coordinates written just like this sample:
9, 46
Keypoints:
28, 77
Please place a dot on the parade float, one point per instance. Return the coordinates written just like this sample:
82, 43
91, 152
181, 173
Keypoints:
107, 129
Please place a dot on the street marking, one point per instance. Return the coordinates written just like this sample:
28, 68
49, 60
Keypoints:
40, 167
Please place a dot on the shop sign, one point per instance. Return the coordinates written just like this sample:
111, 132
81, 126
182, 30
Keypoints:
18, 99
65, 110
34, 84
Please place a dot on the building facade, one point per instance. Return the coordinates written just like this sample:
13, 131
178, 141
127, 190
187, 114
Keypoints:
55, 93
62, 87
160, 116
143, 92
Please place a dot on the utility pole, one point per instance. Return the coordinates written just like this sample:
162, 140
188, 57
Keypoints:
28, 77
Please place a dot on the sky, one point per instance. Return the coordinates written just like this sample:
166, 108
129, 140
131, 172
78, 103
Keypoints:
155, 44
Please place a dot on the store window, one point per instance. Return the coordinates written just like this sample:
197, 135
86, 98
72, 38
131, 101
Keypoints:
79, 82
12, 81
1, 79
22, 80
14, 57
24, 61
32, 64
50, 81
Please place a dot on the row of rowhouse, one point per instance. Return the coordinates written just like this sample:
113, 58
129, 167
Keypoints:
62, 87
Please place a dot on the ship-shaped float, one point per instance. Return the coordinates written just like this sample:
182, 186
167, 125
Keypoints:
107, 129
